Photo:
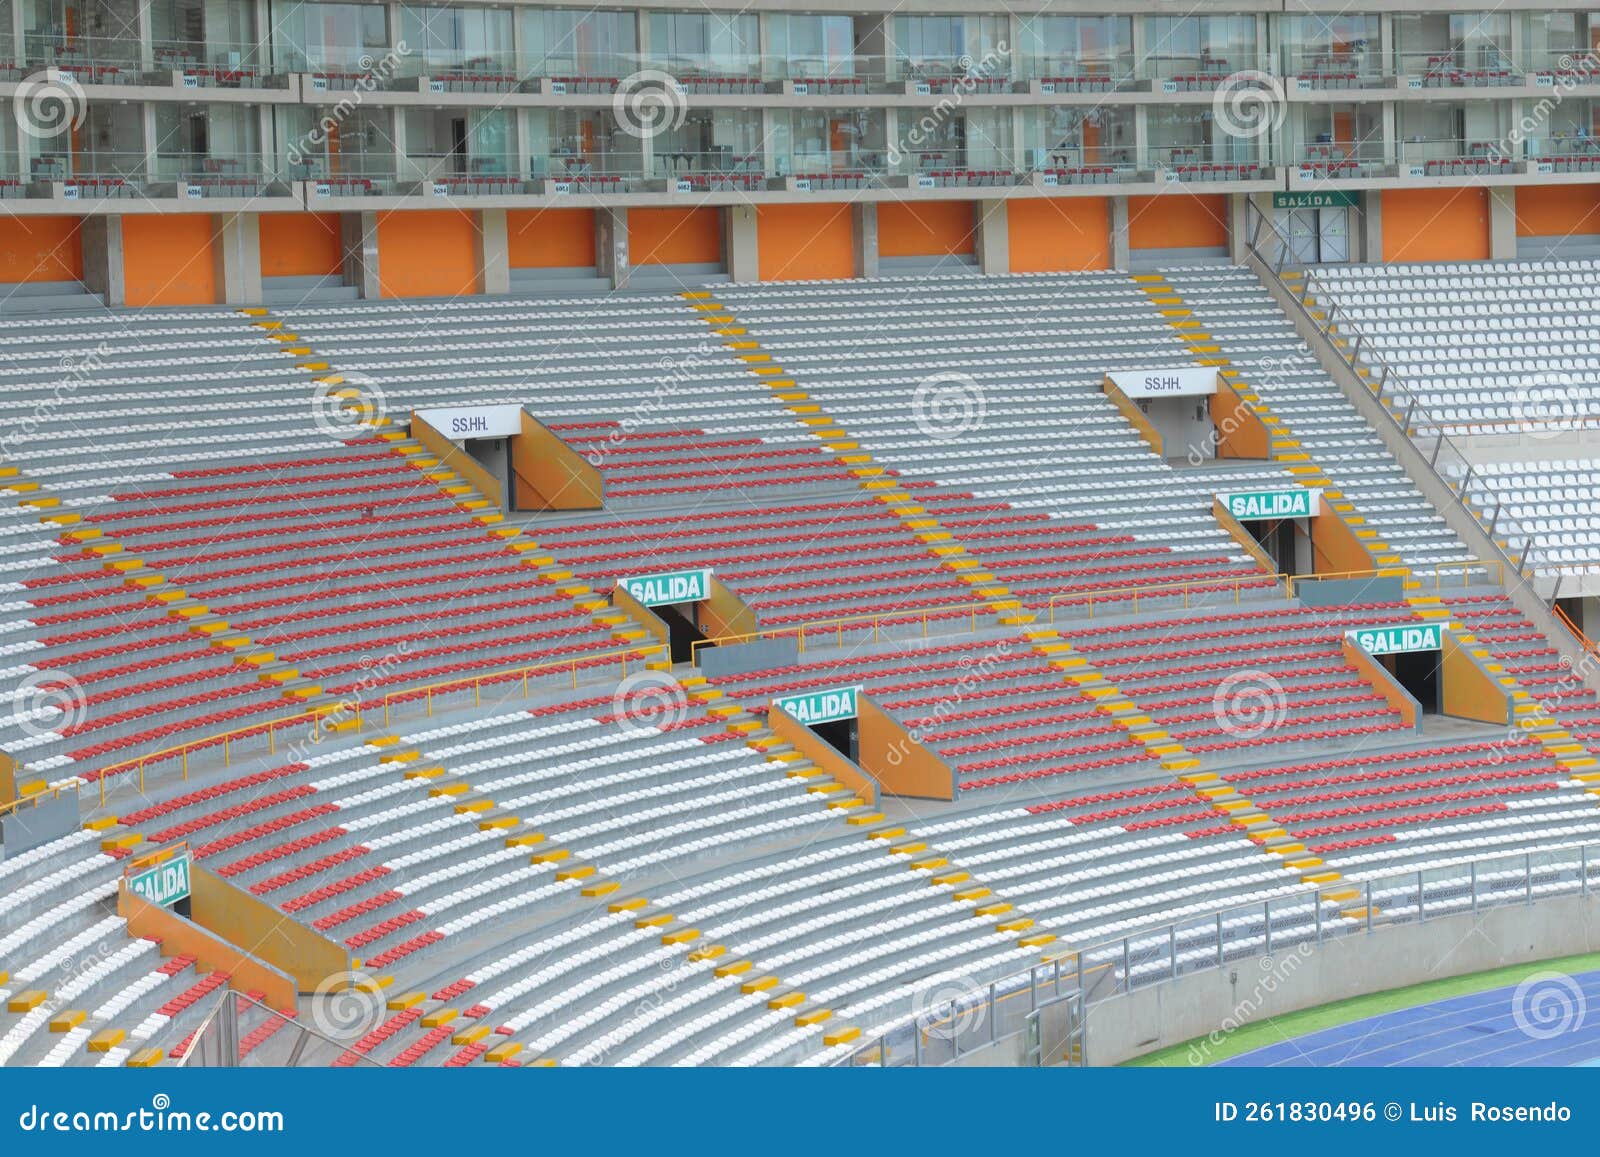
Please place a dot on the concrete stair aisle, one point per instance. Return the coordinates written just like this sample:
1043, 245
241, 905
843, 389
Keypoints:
1319, 437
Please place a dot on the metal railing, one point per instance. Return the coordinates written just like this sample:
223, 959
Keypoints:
647, 653
875, 622
1588, 645
1186, 590
1285, 928
1467, 568
215, 1043
355, 710
1456, 157
1402, 406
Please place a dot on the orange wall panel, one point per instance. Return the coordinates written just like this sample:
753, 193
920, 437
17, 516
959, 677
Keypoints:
1058, 234
804, 242
427, 253
675, 236
1178, 221
1557, 210
925, 228
40, 249
167, 259
550, 238
300, 245
1435, 224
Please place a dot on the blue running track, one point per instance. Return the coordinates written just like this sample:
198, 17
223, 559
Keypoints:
1561, 1015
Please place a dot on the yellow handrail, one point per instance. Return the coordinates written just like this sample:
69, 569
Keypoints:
1170, 590
1584, 641
873, 618
32, 800
427, 691
352, 709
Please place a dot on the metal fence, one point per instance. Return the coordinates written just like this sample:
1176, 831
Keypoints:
977, 1015
1402, 405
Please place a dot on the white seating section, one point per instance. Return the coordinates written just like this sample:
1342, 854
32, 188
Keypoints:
1489, 348
1262, 344
1552, 499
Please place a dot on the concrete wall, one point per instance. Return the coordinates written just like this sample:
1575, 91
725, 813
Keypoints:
1198, 1005
29, 826
743, 658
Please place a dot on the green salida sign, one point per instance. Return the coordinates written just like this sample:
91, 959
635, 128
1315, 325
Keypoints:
827, 706
1290, 502
676, 586
1399, 639
165, 883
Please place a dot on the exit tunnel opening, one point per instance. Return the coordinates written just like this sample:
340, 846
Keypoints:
843, 735
1421, 674
682, 630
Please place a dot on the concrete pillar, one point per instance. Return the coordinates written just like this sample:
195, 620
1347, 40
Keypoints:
1502, 222
864, 237
101, 238
147, 48
1238, 227
741, 250
1372, 227
494, 252
1120, 249
359, 234
237, 251
992, 240
1589, 620
611, 245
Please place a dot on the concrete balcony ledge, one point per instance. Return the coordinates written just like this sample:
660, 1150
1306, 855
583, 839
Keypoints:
166, 85
1409, 176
